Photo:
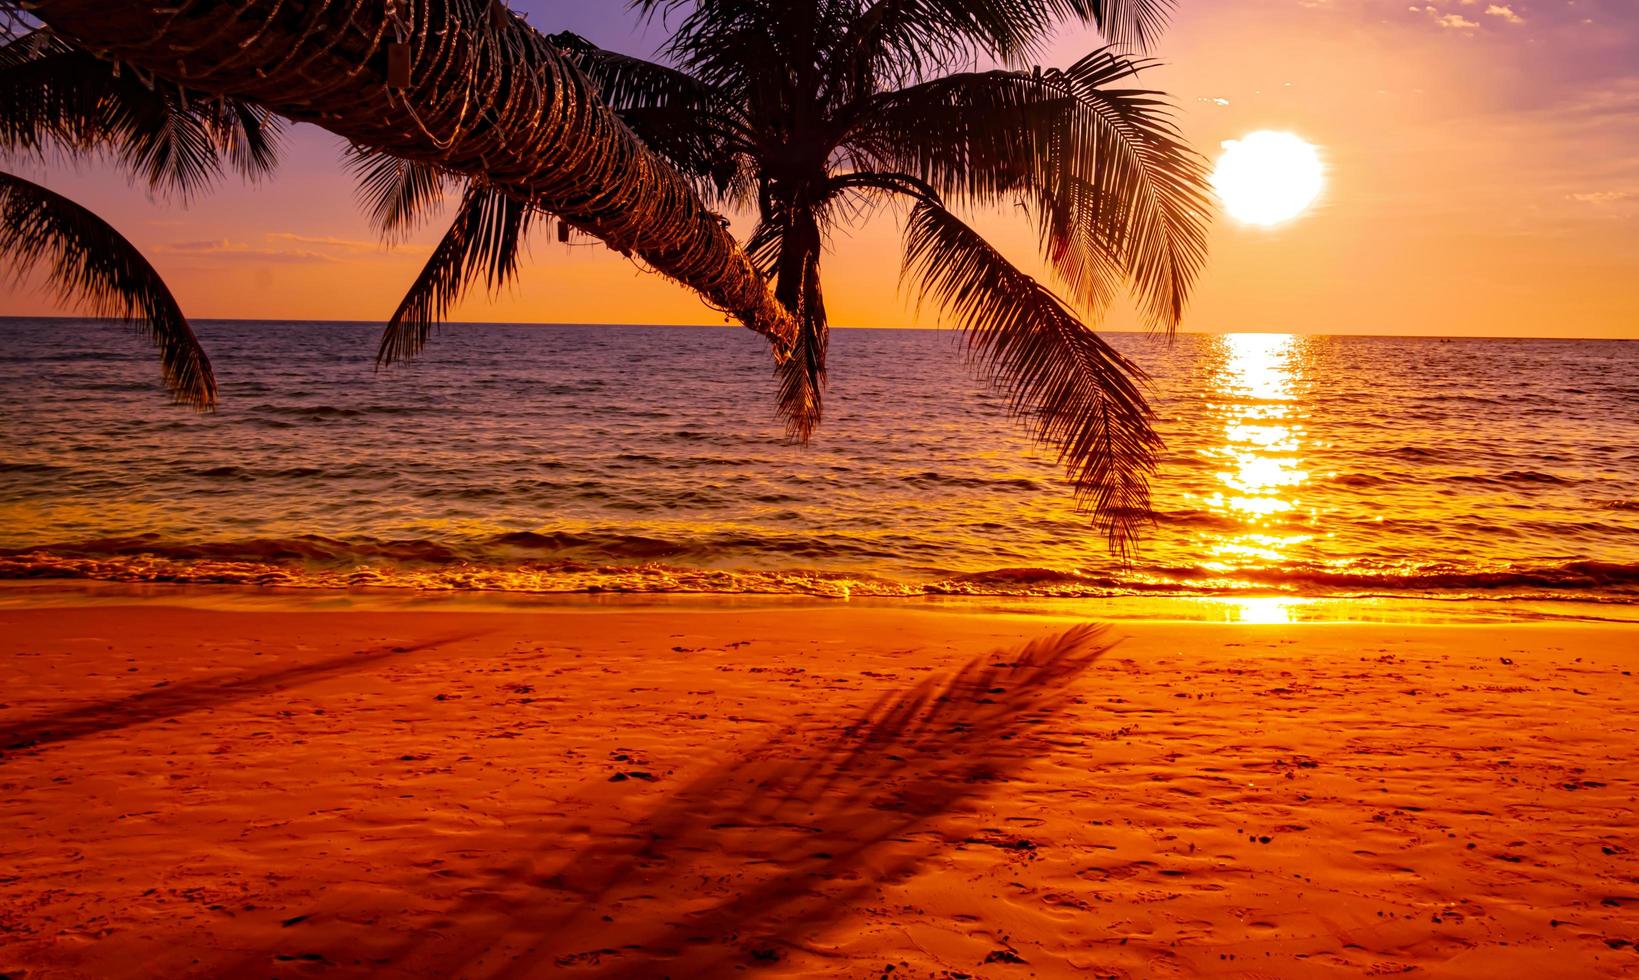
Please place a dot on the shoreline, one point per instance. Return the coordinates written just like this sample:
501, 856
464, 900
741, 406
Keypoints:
820, 789
136, 562
1225, 609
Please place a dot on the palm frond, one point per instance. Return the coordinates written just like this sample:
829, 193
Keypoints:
915, 37
1134, 24
172, 151
1108, 178
94, 266
754, 51
53, 94
680, 117
397, 194
46, 94
626, 82
796, 252
248, 134
1074, 391
485, 239
895, 42
801, 376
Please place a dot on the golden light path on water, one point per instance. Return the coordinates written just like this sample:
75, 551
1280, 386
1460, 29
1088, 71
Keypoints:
1260, 470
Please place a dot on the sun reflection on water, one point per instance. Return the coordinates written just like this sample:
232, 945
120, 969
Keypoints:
1262, 610
1259, 470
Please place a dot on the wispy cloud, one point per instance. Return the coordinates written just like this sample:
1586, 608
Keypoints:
1455, 22
278, 246
324, 241
228, 248
1602, 197
1505, 12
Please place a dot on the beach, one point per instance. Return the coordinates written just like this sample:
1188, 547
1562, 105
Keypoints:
924, 491
808, 789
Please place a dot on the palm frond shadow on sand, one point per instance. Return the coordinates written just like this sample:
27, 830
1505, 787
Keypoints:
175, 700
761, 852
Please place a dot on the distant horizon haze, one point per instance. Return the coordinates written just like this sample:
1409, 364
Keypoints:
931, 327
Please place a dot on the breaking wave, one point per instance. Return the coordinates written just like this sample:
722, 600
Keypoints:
573, 562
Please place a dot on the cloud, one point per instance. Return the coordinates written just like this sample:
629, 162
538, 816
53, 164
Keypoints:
279, 246
224, 247
1455, 22
1505, 12
214, 245
1602, 197
324, 241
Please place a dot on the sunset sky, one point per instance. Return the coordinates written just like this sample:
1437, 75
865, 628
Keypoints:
1482, 179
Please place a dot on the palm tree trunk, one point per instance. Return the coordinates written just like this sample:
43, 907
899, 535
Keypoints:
483, 95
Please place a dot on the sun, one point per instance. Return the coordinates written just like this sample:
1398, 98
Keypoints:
1267, 177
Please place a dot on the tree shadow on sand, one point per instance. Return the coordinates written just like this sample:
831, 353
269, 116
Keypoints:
760, 853
172, 700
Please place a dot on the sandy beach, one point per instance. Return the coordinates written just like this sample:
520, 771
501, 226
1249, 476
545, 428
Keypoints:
957, 490
820, 790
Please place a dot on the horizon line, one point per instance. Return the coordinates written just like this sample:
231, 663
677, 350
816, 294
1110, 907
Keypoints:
1276, 331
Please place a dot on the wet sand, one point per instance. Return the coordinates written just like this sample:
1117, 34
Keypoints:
833, 791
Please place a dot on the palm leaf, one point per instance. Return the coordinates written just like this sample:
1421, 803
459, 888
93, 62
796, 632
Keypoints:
626, 82
802, 375
485, 239
893, 42
53, 94
171, 150
794, 251
1076, 392
678, 116
248, 134
94, 266
785, 246
48, 93
1113, 187
397, 194
916, 37
1132, 24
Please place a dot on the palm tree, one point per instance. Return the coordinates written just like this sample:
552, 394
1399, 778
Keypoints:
461, 85
55, 97
807, 112
812, 114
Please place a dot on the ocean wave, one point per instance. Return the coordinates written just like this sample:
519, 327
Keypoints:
1356, 482
1204, 519
307, 548
933, 478
607, 545
530, 561
1512, 477
331, 411
593, 544
30, 468
1577, 576
1359, 480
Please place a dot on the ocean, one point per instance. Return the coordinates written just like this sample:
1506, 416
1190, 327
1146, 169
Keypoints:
548, 458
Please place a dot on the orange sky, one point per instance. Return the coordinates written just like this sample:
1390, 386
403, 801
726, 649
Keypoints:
1483, 179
